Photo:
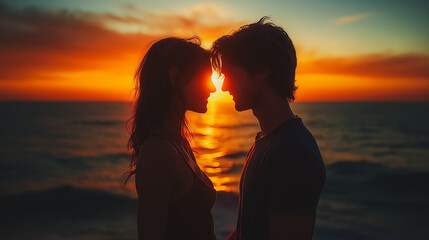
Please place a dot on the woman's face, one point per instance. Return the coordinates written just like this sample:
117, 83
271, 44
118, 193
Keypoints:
198, 89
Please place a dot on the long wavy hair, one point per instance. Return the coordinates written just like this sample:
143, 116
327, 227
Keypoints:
155, 95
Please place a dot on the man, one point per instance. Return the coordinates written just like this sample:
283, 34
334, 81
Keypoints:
284, 172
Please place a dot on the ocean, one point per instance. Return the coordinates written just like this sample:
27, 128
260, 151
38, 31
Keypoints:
62, 166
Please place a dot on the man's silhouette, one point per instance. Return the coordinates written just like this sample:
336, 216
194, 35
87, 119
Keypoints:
284, 172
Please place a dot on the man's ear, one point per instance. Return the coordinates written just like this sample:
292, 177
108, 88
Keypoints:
263, 75
173, 73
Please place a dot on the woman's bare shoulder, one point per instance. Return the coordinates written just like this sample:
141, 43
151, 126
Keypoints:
157, 151
156, 172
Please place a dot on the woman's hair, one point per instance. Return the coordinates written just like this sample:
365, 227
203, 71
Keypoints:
155, 95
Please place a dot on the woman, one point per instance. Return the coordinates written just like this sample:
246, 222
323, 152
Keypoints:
174, 196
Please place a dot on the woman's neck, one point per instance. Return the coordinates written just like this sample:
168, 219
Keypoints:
173, 121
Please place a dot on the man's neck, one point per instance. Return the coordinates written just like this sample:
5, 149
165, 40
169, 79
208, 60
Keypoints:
271, 112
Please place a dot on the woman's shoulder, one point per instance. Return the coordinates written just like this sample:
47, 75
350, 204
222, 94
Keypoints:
157, 151
156, 165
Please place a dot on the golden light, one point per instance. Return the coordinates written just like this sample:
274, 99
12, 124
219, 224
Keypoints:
217, 80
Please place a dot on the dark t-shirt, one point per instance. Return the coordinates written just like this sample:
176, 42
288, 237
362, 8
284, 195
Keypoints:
284, 173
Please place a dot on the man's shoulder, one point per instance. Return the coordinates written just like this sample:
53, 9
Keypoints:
289, 149
297, 130
296, 138
295, 156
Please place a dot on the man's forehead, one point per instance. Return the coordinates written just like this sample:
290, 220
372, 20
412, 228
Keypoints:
228, 66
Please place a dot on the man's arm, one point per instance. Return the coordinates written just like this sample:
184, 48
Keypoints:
290, 226
294, 186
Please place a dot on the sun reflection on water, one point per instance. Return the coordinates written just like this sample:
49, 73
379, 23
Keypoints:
217, 152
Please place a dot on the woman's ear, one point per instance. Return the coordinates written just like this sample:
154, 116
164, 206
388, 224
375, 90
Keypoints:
173, 73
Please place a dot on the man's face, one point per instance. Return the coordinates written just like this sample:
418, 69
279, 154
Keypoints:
242, 86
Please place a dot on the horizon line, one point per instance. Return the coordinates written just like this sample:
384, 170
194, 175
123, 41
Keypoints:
315, 101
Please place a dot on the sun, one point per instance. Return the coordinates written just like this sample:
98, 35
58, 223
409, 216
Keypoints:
217, 80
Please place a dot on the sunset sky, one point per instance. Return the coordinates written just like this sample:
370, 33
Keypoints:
89, 50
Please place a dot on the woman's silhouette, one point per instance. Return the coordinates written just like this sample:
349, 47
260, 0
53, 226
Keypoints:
174, 196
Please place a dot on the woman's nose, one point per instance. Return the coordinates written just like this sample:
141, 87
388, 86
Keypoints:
212, 87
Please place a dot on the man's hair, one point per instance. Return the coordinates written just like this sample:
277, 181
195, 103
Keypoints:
257, 47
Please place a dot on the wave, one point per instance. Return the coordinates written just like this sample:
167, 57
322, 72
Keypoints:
81, 213
234, 155
402, 182
76, 202
378, 176
354, 168
365, 194
369, 195
239, 126
65, 202
227, 199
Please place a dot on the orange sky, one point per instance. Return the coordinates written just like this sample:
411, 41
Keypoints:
79, 56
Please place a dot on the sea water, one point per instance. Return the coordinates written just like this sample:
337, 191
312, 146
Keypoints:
62, 166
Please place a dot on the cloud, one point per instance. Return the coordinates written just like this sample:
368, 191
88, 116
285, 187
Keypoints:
352, 18
86, 55
206, 20
36, 43
40, 43
383, 65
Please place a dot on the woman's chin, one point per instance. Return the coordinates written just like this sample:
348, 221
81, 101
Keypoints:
199, 110
202, 108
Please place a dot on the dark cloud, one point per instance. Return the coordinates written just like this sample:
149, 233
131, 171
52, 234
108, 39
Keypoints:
411, 65
37, 43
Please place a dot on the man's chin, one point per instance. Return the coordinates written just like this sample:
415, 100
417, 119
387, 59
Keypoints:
240, 108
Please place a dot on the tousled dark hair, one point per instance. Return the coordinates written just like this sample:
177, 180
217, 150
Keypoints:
259, 46
155, 94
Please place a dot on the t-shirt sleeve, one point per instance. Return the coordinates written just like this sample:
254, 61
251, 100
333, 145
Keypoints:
293, 183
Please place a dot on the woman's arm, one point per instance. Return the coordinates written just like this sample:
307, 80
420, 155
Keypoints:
232, 235
155, 176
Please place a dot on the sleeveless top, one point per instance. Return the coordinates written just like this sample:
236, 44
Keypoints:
190, 217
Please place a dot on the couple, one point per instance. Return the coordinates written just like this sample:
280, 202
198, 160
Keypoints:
284, 172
